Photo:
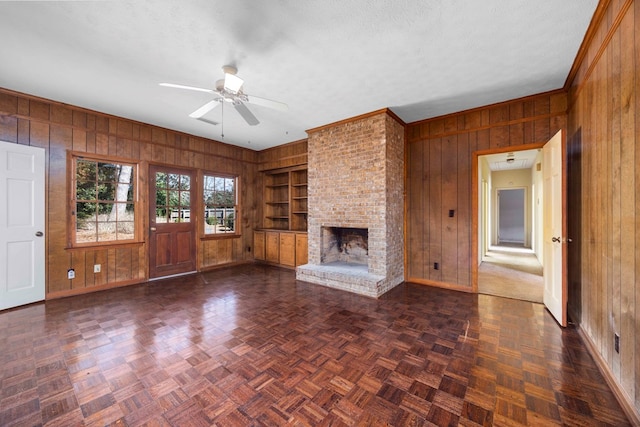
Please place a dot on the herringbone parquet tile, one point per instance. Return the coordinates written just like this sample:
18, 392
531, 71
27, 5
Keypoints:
250, 346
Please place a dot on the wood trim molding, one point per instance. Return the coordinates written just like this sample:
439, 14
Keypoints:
624, 401
357, 118
437, 284
81, 291
496, 105
597, 18
586, 41
475, 201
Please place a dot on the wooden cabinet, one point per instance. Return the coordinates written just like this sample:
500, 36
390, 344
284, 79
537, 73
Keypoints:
259, 245
284, 248
302, 251
287, 249
272, 251
285, 199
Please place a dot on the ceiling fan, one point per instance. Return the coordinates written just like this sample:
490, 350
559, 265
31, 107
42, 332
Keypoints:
230, 90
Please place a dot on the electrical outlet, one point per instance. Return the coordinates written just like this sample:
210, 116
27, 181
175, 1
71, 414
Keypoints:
616, 342
96, 268
71, 274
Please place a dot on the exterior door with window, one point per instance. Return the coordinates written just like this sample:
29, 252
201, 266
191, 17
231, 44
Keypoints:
172, 228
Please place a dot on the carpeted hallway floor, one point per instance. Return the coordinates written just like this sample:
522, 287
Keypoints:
511, 272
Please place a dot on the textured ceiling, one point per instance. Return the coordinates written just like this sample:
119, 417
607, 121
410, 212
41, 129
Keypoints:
328, 60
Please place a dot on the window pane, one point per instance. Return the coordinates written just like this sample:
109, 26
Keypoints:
106, 191
161, 180
124, 230
86, 190
185, 182
107, 172
208, 182
161, 197
185, 215
173, 198
161, 215
125, 175
106, 231
85, 171
185, 199
173, 181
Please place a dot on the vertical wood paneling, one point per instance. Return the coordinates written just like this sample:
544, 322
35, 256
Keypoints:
415, 189
434, 206
445, 146
603, 107
463, 211
57, 202
449, 230
60, 128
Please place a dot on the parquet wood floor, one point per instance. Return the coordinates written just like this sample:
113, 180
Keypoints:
250, 346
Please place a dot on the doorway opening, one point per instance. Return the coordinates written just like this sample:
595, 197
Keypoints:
510, 224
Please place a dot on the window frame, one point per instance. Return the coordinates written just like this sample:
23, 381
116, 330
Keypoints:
202, 190
72, 220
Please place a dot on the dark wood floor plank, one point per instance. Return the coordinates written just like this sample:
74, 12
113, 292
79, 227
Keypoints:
250, 345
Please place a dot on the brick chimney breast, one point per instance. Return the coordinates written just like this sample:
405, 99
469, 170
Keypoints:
356, 181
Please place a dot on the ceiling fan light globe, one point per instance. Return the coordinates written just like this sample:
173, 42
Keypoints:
232, 83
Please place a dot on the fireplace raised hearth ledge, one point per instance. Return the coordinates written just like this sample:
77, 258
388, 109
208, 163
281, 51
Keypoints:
347, 277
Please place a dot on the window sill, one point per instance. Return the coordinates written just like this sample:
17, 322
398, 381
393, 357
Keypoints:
220, 236
102, 245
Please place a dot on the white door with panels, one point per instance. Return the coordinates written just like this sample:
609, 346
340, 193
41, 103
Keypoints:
22, 213
554, 228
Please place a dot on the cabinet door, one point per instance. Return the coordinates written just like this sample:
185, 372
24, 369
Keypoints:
273, 246
287, 249
302, 254
258, 245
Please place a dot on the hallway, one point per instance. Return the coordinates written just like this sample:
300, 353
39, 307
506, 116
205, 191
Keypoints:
511, 272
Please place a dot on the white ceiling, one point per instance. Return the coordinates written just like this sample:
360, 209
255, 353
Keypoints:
523, 159
328, 60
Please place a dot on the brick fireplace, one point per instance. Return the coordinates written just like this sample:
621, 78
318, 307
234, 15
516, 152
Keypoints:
356, 205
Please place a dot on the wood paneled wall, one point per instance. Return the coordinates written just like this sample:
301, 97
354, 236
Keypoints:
439, 164
603, 133
60, 128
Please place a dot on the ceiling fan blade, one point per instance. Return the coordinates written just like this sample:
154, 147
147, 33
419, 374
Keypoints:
199, 89
232, 83
267, 103
205, 109
211, 122
246, 114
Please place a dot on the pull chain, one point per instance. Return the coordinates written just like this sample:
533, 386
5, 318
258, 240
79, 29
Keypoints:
222, 121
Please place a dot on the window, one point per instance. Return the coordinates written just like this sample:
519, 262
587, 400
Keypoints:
173, 197
220, 204
104, 201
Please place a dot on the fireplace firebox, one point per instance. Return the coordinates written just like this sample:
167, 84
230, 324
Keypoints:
344, 245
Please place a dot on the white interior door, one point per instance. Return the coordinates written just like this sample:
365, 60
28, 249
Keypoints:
22, 272
554, 226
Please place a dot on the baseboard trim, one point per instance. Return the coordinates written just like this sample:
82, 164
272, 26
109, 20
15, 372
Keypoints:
625, 402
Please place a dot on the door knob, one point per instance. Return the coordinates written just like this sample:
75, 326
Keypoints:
152, 229
39, 234
556, 239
